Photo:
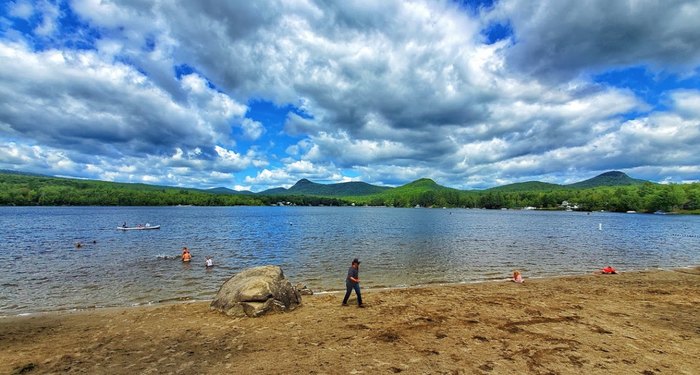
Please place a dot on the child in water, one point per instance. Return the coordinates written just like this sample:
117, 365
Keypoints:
517, 277
209, 262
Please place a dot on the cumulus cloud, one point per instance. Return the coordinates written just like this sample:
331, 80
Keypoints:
658, 145
686, 103
86, 117
288, 174
562, 39
392, 90
252, 129
74, 99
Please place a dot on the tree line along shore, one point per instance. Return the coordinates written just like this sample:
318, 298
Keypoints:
31, 190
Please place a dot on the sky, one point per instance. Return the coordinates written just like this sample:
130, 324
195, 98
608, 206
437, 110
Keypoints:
251, 95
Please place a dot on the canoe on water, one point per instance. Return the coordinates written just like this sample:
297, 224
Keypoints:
144, 227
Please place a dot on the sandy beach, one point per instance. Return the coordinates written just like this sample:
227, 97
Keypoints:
632, 323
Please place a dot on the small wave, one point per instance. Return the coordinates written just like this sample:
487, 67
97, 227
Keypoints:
167, 257
175, 299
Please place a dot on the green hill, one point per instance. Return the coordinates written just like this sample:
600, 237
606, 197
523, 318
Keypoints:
423, 192
418, 186
527, 186
273, 191
612, 178
30, 190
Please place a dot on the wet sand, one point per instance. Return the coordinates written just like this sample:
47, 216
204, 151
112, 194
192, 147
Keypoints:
633, 323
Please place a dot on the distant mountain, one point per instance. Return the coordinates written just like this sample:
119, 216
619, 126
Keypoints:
612, 178
8, 171
273, 191
343, 189
351, 189
527, 186
223, 190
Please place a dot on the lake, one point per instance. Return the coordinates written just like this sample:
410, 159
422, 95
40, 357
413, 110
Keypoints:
42, 270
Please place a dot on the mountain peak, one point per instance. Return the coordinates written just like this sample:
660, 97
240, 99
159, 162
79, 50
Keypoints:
612, 178
303, 182
423, 182
419, 186
613, 174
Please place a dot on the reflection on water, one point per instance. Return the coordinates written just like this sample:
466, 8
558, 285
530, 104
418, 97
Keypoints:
41, 269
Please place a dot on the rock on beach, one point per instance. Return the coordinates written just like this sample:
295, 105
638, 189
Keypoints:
255, 292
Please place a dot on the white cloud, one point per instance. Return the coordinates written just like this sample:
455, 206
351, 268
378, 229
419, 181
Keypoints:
20, 9
686, 103
289, 173
231, 161
270, 178
252, 129
74, 99
24, 157
346, 151
50, 13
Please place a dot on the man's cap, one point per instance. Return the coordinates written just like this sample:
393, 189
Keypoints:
355, 261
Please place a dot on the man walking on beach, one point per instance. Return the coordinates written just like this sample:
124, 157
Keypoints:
353, 282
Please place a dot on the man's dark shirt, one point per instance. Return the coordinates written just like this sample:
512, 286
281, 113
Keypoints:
352, 272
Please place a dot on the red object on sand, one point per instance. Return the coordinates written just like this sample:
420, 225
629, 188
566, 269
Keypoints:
608, 270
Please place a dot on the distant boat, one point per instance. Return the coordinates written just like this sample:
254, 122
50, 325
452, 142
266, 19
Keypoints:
140, 227
631, 212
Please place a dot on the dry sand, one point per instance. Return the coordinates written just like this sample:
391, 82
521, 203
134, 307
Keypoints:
630, 323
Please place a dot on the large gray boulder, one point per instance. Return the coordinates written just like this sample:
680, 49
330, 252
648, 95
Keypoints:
255, 292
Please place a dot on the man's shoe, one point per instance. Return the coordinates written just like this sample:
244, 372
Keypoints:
361, 306
344, 304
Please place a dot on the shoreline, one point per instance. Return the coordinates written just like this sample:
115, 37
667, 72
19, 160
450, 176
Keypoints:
185, 300
633, 322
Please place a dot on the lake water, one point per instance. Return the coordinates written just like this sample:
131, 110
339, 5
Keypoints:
42, 270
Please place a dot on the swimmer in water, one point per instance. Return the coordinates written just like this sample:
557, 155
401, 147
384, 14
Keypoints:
186, 256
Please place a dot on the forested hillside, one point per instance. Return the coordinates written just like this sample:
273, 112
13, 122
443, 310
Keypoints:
32, 190
647, 197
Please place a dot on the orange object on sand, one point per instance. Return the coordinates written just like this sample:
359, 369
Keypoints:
608, 270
